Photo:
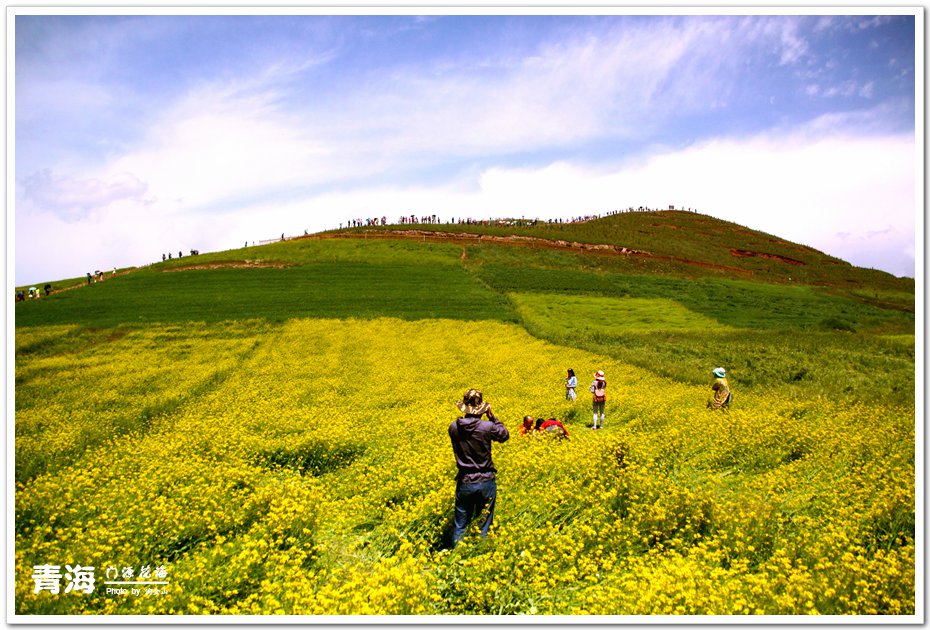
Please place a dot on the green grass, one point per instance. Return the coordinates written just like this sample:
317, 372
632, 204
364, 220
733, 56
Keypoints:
661, 336
324, 289
654, 317
57, 285
687, 236
737, 303
570, 315
799, 364
305, 250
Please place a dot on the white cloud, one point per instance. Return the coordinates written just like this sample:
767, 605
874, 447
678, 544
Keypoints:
215, 146
239, 159
618, 83
794, 47
802, 186
805, 185
72, 199
257, 133
844, 89
891, 250
225, 142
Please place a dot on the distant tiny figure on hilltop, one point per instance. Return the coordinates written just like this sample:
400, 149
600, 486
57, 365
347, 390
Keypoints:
721, 387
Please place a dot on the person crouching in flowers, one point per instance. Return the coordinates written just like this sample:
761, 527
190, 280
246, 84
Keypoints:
599, 390
570, 384
475, 483
721, 387
552, 427
527, 427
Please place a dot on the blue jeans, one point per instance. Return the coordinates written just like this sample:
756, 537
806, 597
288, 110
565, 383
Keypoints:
470, 501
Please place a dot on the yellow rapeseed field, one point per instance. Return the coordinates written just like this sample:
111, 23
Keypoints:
305, 468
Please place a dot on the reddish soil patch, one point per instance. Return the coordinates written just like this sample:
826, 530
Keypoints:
470, 237
742, 253
527, 241
244, 264
704, 265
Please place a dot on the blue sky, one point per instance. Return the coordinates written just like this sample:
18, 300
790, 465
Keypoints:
138, 135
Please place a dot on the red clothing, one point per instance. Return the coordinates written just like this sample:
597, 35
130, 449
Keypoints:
555, 424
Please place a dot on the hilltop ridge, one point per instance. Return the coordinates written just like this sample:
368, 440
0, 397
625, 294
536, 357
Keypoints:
667, 243
673, 241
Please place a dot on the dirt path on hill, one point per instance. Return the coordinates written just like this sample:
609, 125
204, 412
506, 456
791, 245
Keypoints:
107, 276
464, 238
245, 264
742, 253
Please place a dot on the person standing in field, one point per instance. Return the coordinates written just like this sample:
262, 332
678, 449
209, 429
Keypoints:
721, 387
598, 390
570, 384
476, 482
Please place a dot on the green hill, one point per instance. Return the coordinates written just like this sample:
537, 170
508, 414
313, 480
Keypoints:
749, 313
685, 243
268, 425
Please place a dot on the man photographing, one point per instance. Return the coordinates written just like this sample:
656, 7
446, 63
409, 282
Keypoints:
475, 483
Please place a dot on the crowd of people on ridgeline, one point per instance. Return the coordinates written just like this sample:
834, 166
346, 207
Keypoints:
472, 437
194, 252
432, 219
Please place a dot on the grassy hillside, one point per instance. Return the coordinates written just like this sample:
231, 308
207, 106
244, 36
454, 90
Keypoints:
769, 332
269, 426
692, 241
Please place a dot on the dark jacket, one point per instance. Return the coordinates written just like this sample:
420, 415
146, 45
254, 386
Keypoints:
471, 443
